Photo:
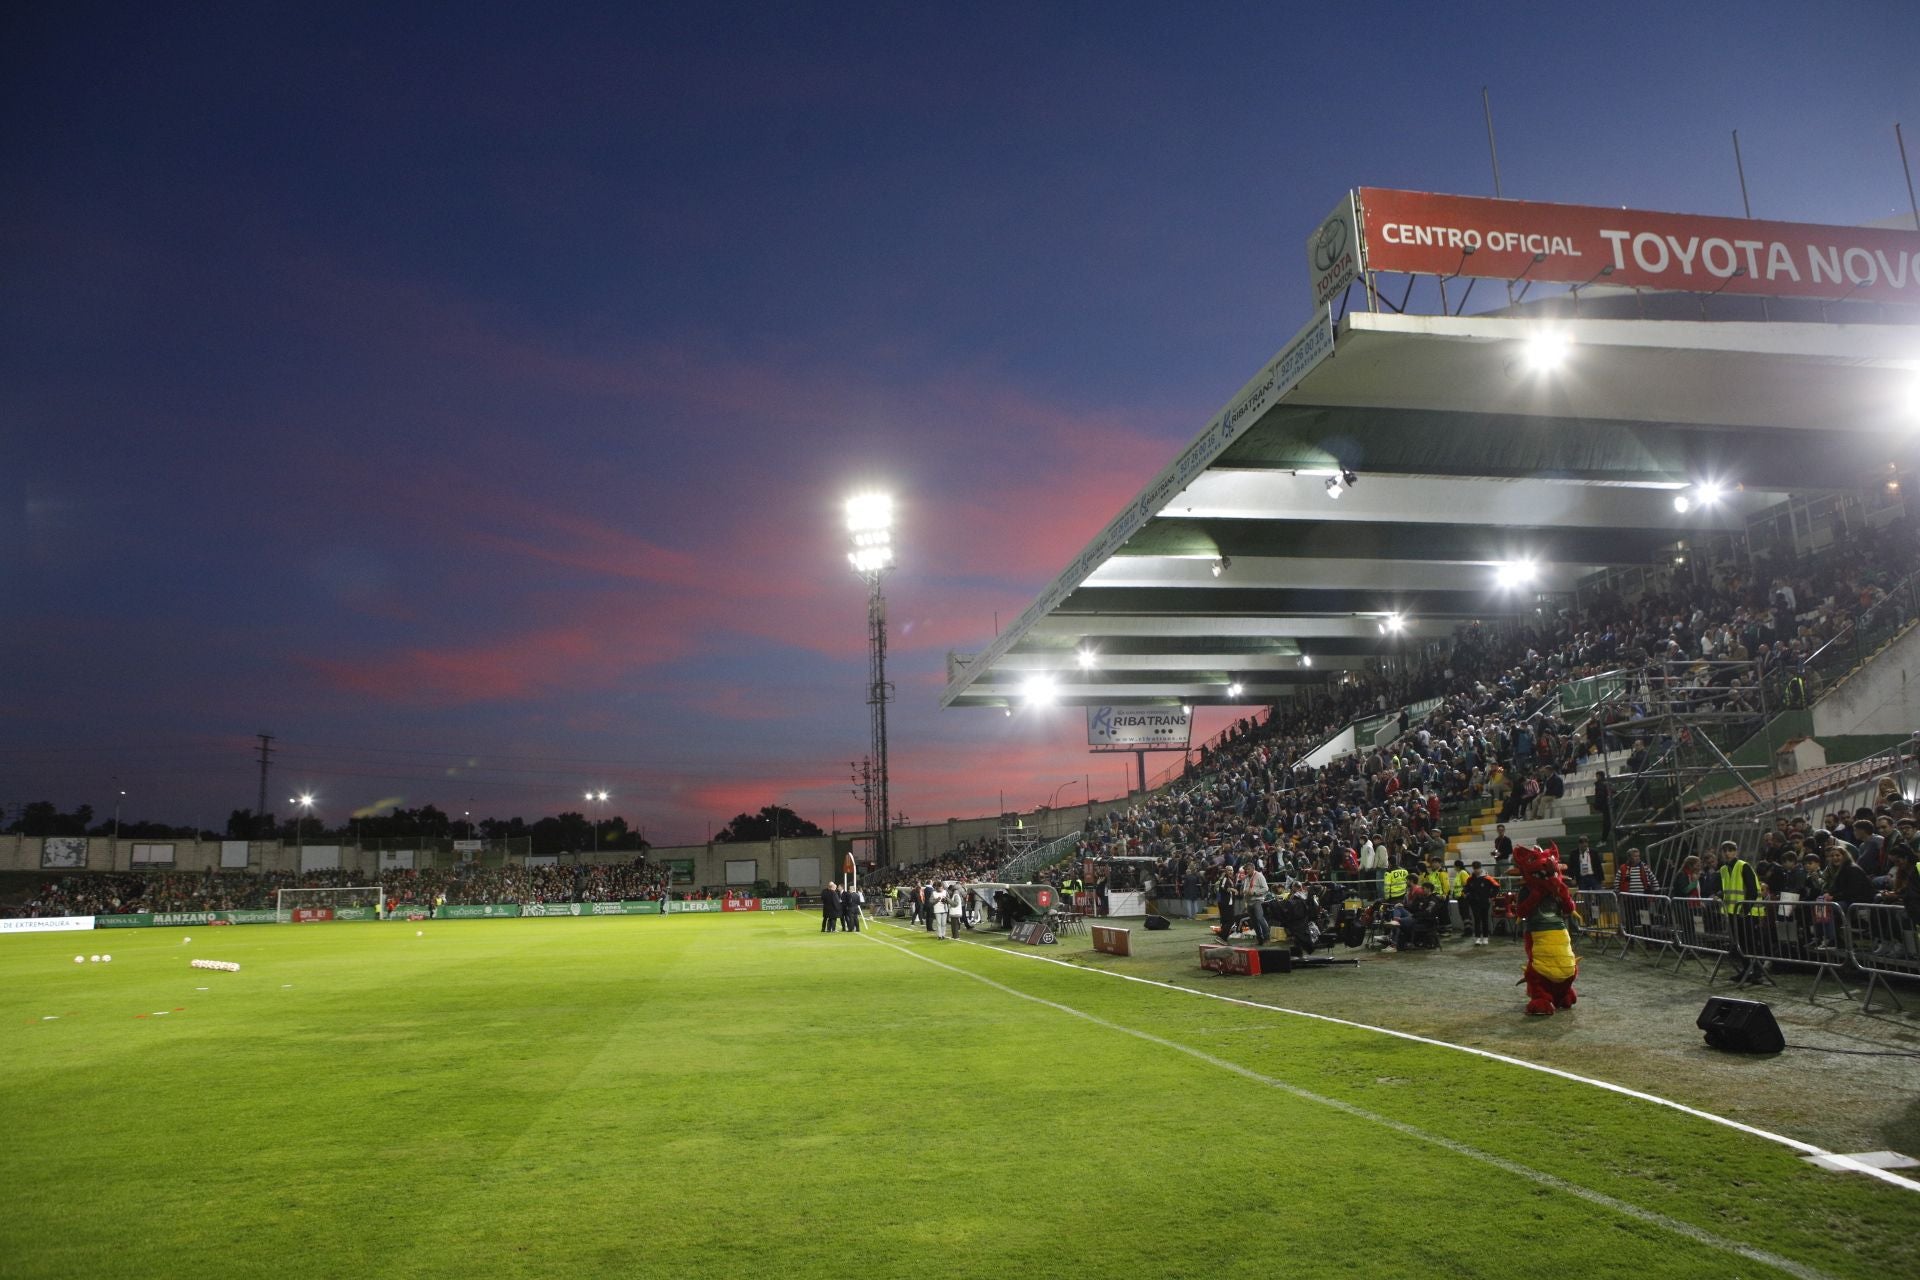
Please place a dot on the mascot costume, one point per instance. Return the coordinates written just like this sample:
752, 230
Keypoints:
1545, 905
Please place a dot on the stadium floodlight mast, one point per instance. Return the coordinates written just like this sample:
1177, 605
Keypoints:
870, 526
599, 798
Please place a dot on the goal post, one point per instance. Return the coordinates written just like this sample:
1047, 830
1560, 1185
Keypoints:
315, 906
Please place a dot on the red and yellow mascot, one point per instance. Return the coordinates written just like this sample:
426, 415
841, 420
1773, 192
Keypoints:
1544, 906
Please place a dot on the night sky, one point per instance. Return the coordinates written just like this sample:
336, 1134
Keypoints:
466, 395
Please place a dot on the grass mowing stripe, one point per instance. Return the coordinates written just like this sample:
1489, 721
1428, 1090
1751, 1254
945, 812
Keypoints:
1538, 1177
1805, 1148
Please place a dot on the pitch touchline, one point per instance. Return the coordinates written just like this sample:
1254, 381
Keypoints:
1805, 1148
1536, 1176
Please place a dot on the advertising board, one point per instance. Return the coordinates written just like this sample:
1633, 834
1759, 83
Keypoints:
1419, 232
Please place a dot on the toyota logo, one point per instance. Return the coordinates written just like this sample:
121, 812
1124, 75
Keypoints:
1329, 243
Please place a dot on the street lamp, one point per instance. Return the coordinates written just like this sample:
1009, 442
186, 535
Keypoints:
870, 525
600, 798
305, 801
1062, 787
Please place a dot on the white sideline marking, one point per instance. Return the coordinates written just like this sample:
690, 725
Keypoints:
1837, 1162
1538, 1177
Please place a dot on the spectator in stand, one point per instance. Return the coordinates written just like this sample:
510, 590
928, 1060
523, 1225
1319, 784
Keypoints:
1586, 865
1687, 883
1635, 876
1502, 846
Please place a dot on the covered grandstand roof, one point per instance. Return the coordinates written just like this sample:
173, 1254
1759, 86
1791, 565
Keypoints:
1236, 566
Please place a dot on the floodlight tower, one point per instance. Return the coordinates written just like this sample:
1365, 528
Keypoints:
870, 524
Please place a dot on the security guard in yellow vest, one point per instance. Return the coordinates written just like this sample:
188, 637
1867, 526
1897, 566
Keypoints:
1435, 878
1740, 899
1457, 882
1397, 883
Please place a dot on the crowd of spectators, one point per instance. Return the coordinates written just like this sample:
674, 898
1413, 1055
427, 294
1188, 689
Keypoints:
404, 888
1710, 635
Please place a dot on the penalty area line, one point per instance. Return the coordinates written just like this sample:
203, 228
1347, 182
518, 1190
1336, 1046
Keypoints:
1536, 1176
1804, 1148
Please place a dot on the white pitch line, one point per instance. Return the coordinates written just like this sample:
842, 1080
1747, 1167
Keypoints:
1805, 1148
1540, 1178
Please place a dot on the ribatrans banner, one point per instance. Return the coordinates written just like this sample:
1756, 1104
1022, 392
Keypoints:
1417, 232
1139, 727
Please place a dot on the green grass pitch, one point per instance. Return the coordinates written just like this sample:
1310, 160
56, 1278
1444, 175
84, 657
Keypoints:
742, 1096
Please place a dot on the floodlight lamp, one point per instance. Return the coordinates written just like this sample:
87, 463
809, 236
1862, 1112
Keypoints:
1682, 503
1514, 573
1334, 487
1306, 659
1038, 690
1186, 708
1546, 351
1393, 624
1221, 564
1233, 690
869, 511
870, 559
1709, 491
1087, 658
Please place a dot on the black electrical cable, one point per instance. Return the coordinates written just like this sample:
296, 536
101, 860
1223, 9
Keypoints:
1863, 1053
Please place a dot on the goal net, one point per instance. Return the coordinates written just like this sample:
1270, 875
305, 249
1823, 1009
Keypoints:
308, 906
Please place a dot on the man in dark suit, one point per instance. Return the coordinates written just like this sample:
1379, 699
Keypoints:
850, 908
829, 907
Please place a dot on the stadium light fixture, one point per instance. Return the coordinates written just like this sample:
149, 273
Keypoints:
1233, 690
1039, 691
1546, 351
1186, 708
1306, 659
870, 522
1087, 658
1705, 493
1514, 574
1392, 625
1221, 564
1337, 485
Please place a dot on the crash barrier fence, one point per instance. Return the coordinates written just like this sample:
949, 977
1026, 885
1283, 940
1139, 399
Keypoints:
1838, 942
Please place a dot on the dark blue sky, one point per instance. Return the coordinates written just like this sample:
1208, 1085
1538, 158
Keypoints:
466, 394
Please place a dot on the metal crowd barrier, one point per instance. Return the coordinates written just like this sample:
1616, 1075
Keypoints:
1881, 941
1599, 915
1699, 930
1874, 939
1808, 935
1646, 921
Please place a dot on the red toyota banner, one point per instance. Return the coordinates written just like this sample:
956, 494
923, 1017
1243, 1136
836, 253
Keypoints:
1417, 232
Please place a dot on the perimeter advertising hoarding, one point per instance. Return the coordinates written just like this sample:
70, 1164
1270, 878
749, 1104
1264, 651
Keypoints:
47, 924
1417, 232
1132, 728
